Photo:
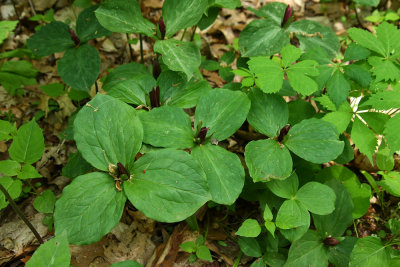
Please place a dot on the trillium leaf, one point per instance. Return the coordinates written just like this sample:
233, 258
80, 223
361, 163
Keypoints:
88, 27
28, 145
391, 132
268, 73
168, 185
51, 38
340, 255
369, 251
317, 198
292, 214
300, 110
179, 56
79, 67
108, 131
53, 253
267, 160
249, 228
364, 139
179, 15
124, 16
286, 188
224, 172
314, 140
167, 127
222, 111
98, 207
129, 83
268, 112
249, 246
308, 251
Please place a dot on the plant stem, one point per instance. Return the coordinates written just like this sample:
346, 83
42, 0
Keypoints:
130, 48
20, 214
237, 261
141, 48
183, 34
193, 33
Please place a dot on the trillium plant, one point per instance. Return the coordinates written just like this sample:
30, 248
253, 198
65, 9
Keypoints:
158, 135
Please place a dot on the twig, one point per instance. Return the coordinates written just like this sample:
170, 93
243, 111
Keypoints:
359, 20
130, 47
32, 7
20, 214
15, 8
141, 48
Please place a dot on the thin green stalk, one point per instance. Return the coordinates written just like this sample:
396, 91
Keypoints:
237, 261
183, 34
141, 48
355, 228
193, 33
130, 48
21, 214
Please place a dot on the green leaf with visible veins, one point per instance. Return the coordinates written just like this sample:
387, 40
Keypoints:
28, 145
384, 100
367, 39
223, 111
290, 54
268, 73
389, 36
167, 127
308, 251
224, 172
369, 252
179, 14
292, 214
54, 253
13, 187
79, 67
98, 207
314, 140
391, 132
179, 56
249, 228
299, 79
168, 185
383, 69
317, 198
364, 139
268, 112
9, 167
124, 16
51, 38
286, 188
338, 88
106, 131
88, 27
267, 159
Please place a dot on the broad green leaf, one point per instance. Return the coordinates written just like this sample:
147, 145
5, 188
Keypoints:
28, 145
224, 172
373, 3
222, 111
203, 253
326, 102
384, 69
364, 139
268, 73
262, 38
51, 38
230, 4
108, 131
127, 263
79, 67
314, 140
179, 56
268, 112
389, 36
6, 128
208, 18
124, 16
290, 54
267, 160
391, 183
45, 202
340, 255
299, 79
369, 252
292, 214
360, 193
28, 172
367, 40
53, 89
258, 263
384, 100
76, 166
359, 74
312, 34
338, 88
53, 253
88, 27
294, 234
300, 110
355, 52
286, 188
384, 158
167, 185
13, 187
317, 198
9, 167
130, 83
336, 223
274, 11
340, 119
307, 251
249, 246
249, 228
375, 120
20, 67
167, 127
391, 132
6, 28
179, 15
188, 246
348, 152
13, 82
98, 207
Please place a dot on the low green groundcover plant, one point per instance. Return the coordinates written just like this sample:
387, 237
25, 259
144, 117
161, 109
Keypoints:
309, 104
